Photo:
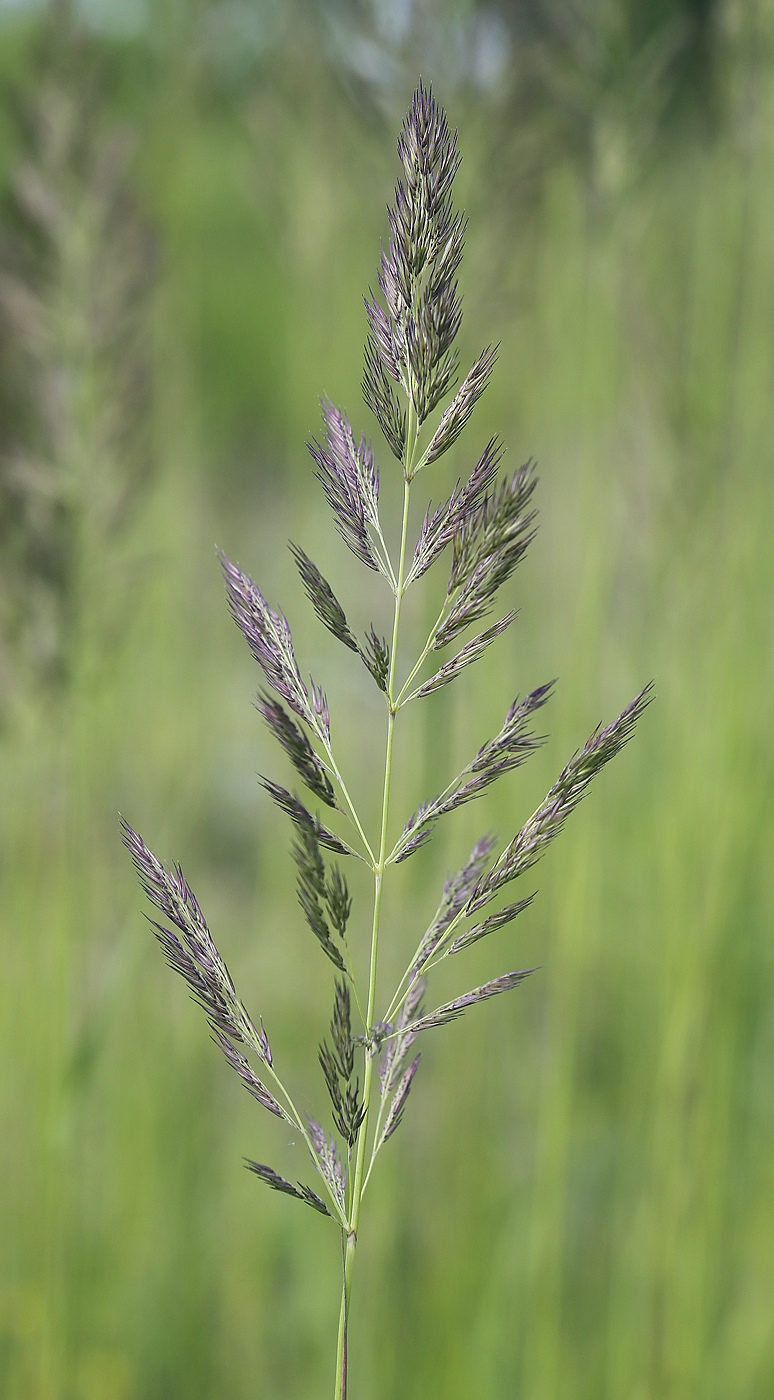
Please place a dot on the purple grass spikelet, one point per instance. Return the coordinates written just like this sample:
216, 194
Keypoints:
527, 847
278, 1183
350, 481
455, 417
331, 1166
395, 1111
294, 741
452, 1009
268, 636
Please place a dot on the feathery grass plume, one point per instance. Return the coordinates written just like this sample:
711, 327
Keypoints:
409, 367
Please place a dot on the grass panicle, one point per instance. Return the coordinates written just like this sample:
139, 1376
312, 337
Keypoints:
410, 367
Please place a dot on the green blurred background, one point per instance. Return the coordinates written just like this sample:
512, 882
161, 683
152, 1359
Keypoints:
580, 1204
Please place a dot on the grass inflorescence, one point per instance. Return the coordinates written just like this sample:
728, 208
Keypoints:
484, 528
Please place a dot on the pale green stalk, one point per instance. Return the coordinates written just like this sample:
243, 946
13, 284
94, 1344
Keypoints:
351, 805
427, 648
349, 1243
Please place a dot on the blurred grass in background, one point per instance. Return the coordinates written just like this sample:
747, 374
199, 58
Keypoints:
581, 1203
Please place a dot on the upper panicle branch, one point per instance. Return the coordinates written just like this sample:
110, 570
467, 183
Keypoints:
456, 893
508, 750
350, 481
452, 1009
487, 548
455, 417
268, 636
297, 747
536, 835
472, 651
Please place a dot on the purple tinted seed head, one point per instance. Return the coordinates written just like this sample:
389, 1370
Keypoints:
350, 481
269, 638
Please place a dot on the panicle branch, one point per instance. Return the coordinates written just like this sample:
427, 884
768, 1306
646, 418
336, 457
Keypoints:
375, 655
454, 418
294, 741
268, 636
508, 750
456, 893
452, 1009
544, 825
195, 957
460, 511
487, 548
350, 481
338, 1067
323, 599
472, 651
331, 1165
278, 1183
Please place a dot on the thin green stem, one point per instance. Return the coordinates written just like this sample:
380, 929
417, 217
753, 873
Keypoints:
351, 805
357, 1188
425, 652
353, 980
386, 560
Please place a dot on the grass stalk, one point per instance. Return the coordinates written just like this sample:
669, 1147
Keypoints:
340, 1390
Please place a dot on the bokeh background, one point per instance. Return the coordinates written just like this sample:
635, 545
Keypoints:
580, 1204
